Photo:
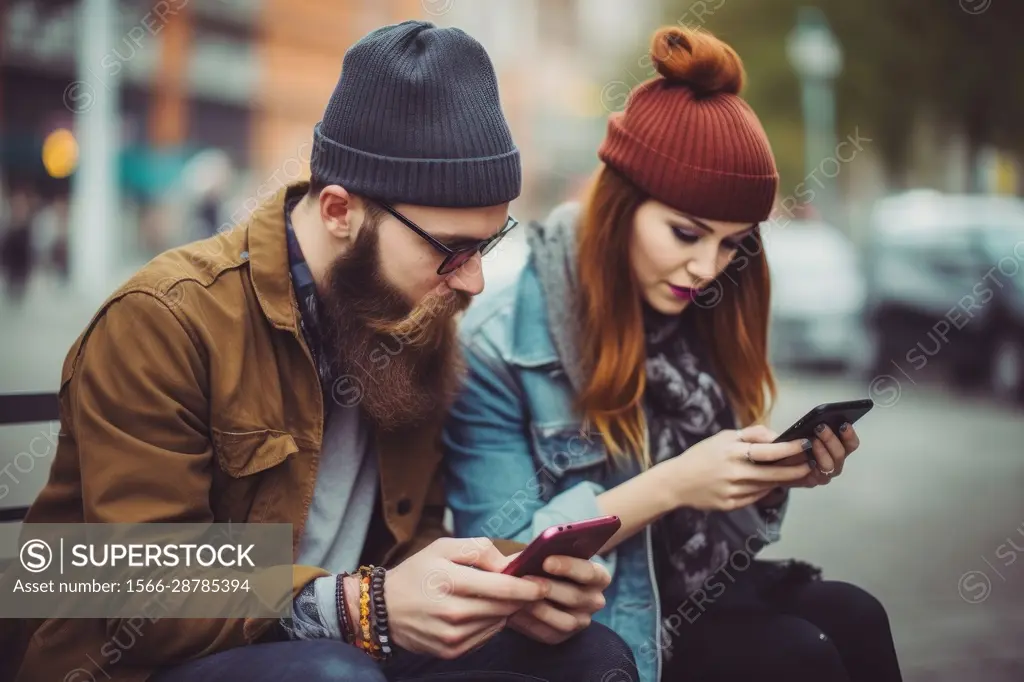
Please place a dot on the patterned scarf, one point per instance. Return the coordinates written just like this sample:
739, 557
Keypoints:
684, 404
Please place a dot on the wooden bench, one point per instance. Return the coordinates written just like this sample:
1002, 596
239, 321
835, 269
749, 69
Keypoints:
25, 408
17, 409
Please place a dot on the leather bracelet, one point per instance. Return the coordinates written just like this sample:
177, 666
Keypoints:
347, 634
380, 611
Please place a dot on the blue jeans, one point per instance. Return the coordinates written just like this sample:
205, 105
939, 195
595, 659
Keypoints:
595, 654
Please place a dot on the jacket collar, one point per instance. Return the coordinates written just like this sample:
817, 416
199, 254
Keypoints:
553, 284
268, 260
532, 344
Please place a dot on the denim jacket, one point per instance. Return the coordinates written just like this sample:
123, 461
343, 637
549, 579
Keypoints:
517, 460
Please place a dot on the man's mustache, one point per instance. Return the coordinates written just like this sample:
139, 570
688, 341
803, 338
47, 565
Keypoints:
424, 322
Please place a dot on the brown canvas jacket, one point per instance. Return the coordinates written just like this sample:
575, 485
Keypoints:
192, 397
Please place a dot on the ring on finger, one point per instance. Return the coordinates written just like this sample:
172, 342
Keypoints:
829, 472
749, 458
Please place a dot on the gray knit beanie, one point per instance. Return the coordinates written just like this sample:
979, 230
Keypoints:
415, 118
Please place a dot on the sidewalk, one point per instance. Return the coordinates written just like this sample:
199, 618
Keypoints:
37, 333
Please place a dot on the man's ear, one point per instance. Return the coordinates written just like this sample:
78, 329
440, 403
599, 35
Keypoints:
337, 211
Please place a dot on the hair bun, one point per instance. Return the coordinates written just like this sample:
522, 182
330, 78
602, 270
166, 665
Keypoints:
697, 59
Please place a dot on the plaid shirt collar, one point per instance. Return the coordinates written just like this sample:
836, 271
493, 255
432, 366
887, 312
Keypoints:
306, 295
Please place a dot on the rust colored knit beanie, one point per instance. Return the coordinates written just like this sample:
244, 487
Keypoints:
687, 139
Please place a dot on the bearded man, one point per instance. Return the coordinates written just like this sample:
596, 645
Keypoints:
296, 369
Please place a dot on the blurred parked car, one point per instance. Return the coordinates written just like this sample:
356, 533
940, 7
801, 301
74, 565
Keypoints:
946, 288
818, 296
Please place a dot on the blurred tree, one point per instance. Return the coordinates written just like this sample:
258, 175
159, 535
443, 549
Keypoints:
952, 65
977, 62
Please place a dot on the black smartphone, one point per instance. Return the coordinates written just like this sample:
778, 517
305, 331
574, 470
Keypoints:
832, 414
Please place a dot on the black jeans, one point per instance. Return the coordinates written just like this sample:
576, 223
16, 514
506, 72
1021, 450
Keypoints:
824, 631
595, 654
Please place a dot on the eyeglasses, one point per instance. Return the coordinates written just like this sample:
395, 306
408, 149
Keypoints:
454, 258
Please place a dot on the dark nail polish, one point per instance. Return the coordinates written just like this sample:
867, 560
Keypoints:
844, 427
806, 444
819, 428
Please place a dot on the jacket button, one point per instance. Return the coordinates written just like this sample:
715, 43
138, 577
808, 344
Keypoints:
245, 255
404, 506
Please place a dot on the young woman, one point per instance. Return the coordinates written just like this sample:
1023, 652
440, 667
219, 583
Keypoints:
625, 372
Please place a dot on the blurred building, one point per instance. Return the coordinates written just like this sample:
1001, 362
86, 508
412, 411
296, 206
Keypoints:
251, 77
559, 64
299, 51
554, 60
176, 77
185, 74
213, 103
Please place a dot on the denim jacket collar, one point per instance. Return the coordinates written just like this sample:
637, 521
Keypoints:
532, 345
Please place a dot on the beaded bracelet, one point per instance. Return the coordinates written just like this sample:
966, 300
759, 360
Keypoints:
369, 645
380, 611
347, 634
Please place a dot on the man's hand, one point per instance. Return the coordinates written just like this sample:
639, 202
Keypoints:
440, 604
570, 603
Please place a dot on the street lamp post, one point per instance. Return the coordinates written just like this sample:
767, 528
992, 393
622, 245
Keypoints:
817, 59
94, 197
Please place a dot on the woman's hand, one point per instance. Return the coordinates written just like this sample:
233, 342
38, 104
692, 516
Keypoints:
732, 469
830, 453
576, 587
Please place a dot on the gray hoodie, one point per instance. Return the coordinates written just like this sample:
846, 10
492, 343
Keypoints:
553, 249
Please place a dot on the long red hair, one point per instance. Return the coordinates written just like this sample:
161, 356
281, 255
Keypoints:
734, 331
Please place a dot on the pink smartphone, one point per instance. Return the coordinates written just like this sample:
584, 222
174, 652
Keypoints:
580, 539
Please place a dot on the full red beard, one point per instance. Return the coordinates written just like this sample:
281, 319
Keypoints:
403, 360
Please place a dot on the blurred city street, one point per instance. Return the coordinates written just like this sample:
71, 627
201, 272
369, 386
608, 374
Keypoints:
923, 515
